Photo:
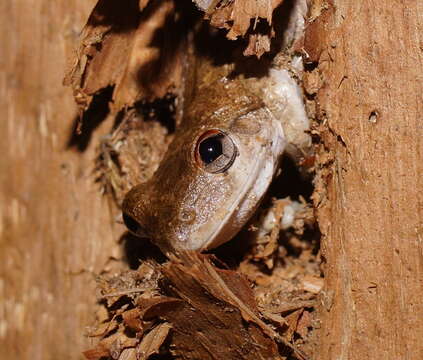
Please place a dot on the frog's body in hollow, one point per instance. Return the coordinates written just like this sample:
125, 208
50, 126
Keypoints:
223, 158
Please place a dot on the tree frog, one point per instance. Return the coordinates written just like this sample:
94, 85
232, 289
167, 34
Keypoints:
221, 161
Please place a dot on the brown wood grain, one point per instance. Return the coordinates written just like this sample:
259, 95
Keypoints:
55, 229
369, 196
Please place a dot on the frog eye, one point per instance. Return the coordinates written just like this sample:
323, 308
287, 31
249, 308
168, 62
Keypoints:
215, 151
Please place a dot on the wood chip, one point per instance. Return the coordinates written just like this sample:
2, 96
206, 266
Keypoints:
132, 320
312, 284
258, 44
240, 17
304, 324
128, 354
151, 342
292, 320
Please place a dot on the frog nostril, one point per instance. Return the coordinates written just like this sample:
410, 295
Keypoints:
132, 225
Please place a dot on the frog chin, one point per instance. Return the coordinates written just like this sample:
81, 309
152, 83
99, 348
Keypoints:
251, 186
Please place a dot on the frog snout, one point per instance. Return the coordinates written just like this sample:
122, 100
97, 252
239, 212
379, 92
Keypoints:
131, 211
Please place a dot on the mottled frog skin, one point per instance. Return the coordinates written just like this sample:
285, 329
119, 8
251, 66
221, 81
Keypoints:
215, 172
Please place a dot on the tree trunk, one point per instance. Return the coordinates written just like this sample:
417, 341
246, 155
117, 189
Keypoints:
365, 74
55, 228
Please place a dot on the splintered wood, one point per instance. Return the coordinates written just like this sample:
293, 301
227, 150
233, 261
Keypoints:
125, 47
138, 47
200, 310
242, 16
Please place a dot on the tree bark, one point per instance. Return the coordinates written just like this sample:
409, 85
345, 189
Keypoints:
366, 80
55, 228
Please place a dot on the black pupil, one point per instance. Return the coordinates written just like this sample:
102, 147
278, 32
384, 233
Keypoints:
210, 149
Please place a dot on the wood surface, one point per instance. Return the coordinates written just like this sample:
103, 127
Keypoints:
55, 228
365, 76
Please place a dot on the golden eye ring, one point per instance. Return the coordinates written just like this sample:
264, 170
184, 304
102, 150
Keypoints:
215, 151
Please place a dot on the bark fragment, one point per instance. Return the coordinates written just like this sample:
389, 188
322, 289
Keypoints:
123, 45
240, 17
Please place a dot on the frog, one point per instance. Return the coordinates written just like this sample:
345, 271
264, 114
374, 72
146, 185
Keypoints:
223, 158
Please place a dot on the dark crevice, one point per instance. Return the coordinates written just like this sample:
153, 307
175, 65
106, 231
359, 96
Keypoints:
137, 250
281, 16
212, 43
83, 127
170, 39
290, 183
162, 110
121, 16
310, 66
